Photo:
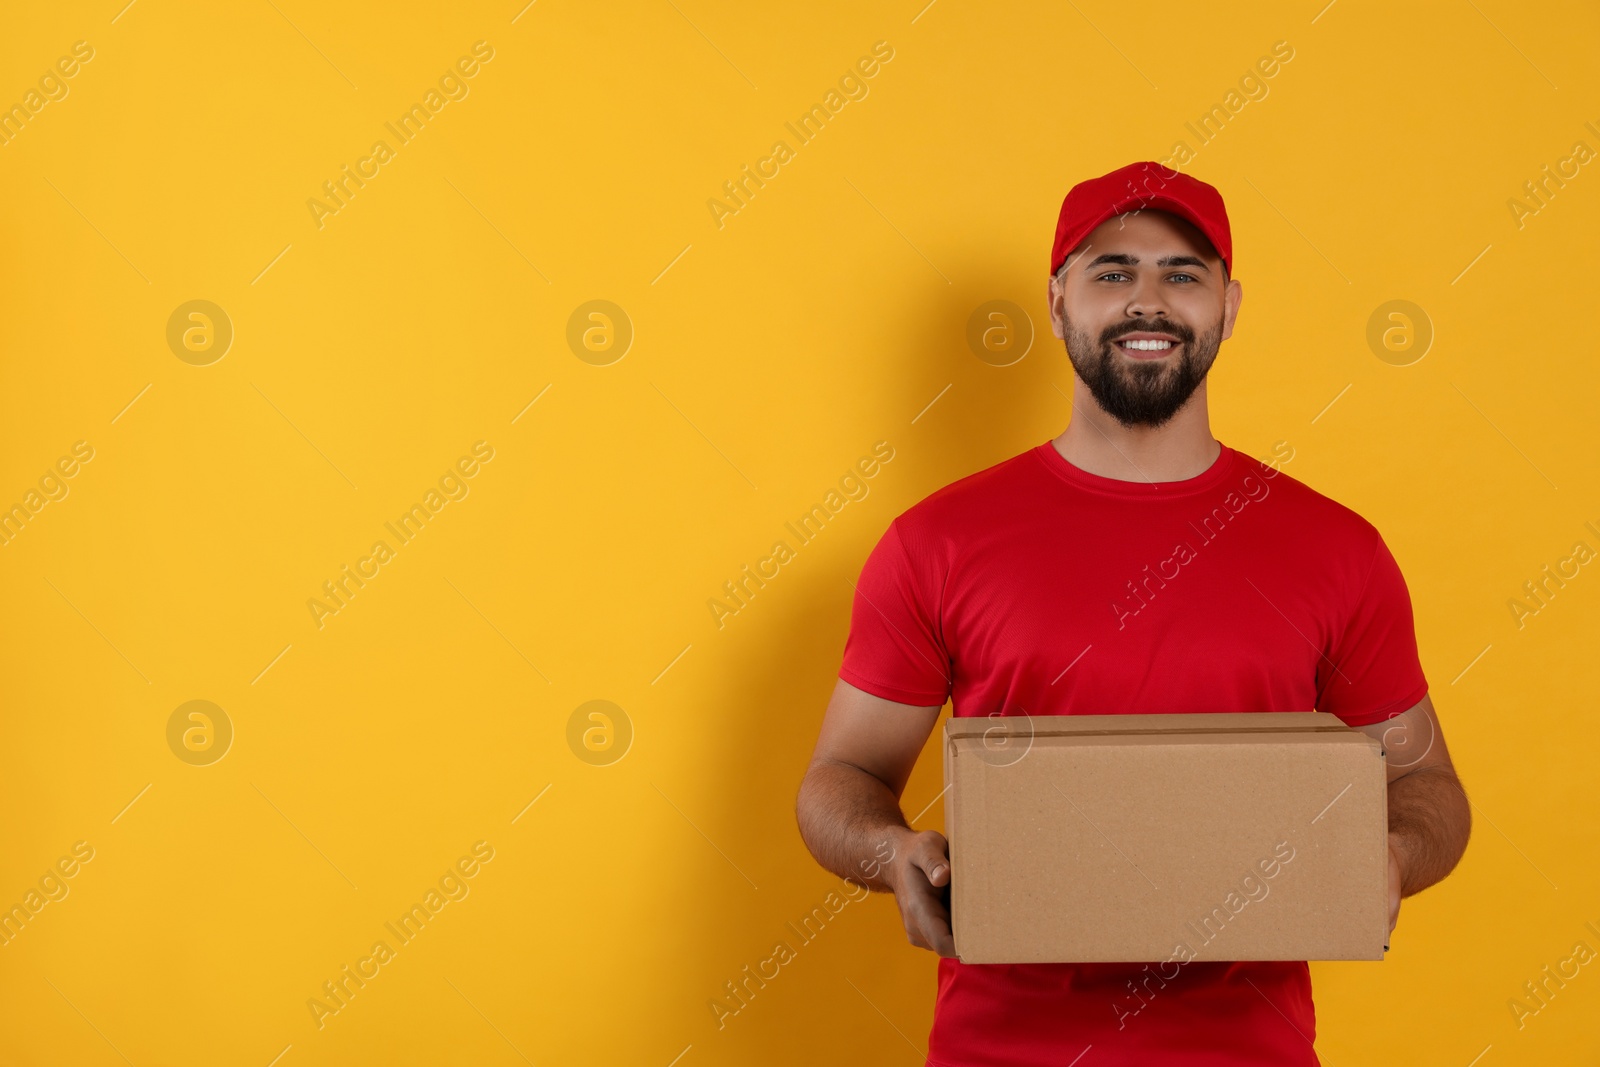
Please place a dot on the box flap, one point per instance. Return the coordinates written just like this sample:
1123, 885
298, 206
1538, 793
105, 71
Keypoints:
1024, 726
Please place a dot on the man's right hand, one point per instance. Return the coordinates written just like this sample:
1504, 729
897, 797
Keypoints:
920, 876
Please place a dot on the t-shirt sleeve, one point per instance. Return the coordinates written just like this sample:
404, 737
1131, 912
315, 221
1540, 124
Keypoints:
1372, 671
895, 649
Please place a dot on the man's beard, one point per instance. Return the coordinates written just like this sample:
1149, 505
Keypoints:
1140, 392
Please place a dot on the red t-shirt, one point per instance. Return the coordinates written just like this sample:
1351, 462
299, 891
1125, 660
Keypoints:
1035, 587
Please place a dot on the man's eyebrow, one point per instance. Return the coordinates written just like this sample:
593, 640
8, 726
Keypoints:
1125, 260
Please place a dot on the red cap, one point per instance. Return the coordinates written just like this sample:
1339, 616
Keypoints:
1140, 185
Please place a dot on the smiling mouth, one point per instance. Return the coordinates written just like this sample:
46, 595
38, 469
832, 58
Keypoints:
1147, 349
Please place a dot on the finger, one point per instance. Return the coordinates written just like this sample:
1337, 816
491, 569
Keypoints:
940, 937
932, 924
932, 857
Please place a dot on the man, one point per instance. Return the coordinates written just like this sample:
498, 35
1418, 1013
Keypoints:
1134, 564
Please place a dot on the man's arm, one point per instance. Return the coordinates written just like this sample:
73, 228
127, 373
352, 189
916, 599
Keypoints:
849, 812
1429, 817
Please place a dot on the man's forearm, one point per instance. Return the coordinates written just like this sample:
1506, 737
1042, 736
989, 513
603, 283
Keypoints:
851, 822
1430, 820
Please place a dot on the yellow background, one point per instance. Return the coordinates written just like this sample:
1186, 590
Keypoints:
769, 354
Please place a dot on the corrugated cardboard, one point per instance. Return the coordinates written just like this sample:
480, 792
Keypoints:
1141, 838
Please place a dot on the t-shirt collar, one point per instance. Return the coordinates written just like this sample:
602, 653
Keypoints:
1207, 479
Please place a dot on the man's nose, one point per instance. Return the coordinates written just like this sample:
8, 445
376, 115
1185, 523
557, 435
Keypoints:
1147, 299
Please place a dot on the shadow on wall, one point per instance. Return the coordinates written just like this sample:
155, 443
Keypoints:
766, 710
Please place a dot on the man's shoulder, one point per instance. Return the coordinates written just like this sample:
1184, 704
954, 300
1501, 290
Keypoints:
974, 495
1312, 512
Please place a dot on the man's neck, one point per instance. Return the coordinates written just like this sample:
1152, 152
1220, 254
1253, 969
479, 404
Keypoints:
1179, 449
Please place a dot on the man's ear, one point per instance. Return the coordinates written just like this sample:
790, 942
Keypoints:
1052, 289
1232, 296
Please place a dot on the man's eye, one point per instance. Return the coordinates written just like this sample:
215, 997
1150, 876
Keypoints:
1108, 274
1191, 277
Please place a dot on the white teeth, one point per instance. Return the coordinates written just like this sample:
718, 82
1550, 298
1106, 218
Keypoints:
1147, 346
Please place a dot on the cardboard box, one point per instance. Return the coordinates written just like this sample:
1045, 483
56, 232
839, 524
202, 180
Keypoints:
1144, 838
